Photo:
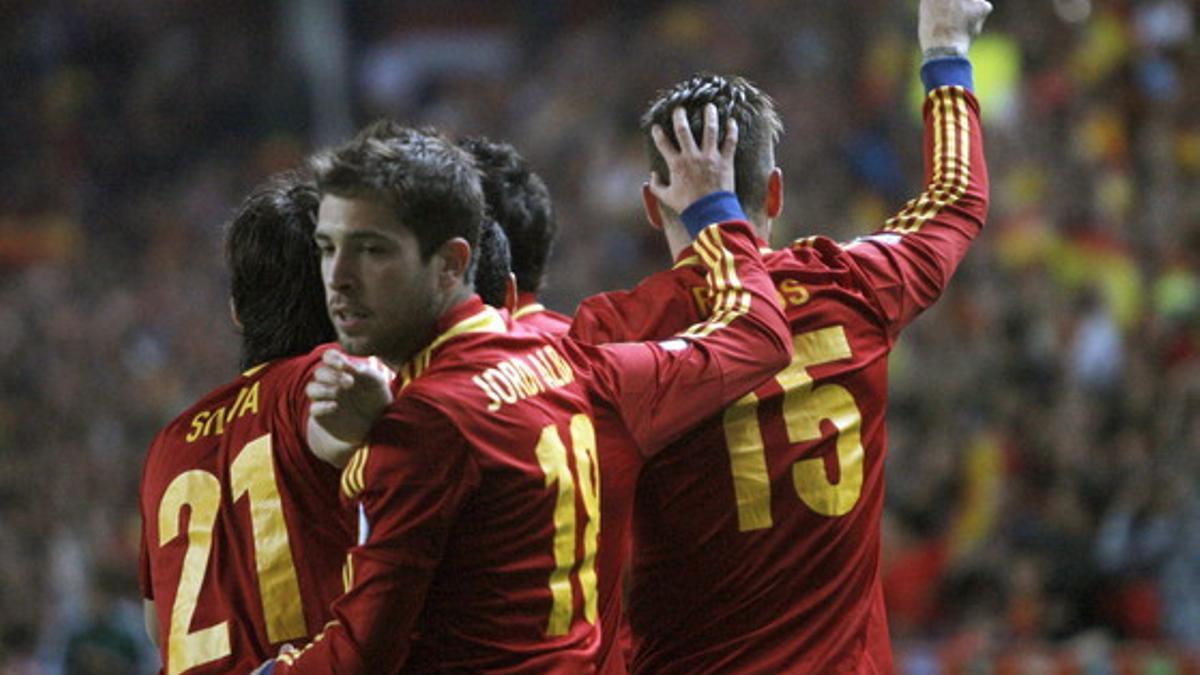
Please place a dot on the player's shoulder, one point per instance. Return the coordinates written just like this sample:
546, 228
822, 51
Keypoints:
616, 315
292, 366
544, 322
491, 374
552, 322
807, 248
447, 373
253, 390
217, 398
818, 255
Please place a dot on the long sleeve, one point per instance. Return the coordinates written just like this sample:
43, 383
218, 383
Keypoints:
662, 389
410, 495
657, 307
908, 263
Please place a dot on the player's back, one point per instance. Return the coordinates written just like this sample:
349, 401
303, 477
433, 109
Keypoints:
532, 315
506, 433
620, 465
756, 534
480, 484
243, 537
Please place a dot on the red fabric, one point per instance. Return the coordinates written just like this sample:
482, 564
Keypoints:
318, 531
620, 464
801, 594
531, 315
456, 572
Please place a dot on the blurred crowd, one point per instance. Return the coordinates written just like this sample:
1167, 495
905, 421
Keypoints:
1044, 468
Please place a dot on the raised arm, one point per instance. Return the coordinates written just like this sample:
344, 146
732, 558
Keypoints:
911, 259
663, 389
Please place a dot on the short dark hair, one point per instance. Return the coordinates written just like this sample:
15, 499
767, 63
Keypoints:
431, 184
493, 264
759, 127
275, 271
517, 198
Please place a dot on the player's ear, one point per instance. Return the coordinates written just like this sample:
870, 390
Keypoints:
456, 258
774, 193
233, 314
510, 293
650, 204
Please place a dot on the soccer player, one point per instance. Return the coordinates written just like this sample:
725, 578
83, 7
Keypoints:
243, 536
517, 195
756, 537
292, 535
517, 198
480, 485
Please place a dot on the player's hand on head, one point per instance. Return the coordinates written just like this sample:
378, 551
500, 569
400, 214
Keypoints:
695, 171
950, 25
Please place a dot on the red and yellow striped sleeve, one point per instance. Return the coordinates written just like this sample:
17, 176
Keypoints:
662, 389
409, 497
908, 262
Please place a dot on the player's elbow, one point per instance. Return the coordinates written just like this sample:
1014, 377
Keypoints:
975, 206
781, 354
776, 351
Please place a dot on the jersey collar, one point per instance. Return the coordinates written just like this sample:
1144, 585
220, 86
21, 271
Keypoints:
688, 256
527, 303
467, 317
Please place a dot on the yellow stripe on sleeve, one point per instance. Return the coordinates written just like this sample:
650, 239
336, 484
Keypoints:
730, 298
352, 475
360, 480
951, 161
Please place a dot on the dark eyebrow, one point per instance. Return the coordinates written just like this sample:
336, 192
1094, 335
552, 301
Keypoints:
366, 234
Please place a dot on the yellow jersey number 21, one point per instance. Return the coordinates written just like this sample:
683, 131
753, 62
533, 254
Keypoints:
251, 475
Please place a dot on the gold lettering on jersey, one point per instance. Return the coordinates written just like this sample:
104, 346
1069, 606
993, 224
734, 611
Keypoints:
197, 425
250, 402
521, 377
789, 292
563, 371
237, 402
530, 382
542, 368
217, 416
213, 422
493, 398
792, 293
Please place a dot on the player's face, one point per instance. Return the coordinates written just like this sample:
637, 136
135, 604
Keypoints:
382, 297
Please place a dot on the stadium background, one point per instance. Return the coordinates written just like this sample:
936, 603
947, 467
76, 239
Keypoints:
1043, 509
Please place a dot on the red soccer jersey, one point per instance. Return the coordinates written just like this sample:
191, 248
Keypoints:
243, 535
756, 536
620, 463
532, 315
480, 485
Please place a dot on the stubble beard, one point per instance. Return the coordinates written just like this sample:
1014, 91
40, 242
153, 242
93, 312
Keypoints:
416, 330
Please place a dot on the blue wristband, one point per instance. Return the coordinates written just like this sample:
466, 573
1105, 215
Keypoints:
716, 207
947, 71
270, 668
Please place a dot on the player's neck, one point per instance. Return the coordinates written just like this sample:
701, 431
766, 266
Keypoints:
525, 298
678, 238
